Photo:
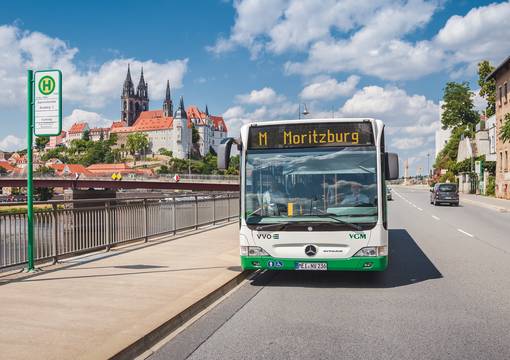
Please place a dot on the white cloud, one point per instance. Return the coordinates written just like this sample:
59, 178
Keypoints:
93, 87
13, 143
329, 89
370, 37
479, 102
254, 17
263, 96
480, 34
92, 118
411, 120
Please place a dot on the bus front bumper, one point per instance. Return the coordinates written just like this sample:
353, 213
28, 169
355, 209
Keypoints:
376, 263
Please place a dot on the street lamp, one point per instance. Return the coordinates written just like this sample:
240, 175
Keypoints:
305, 110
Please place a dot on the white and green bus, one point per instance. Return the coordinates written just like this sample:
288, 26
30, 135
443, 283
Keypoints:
313, 194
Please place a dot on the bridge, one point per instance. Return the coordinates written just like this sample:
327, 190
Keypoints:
187, 182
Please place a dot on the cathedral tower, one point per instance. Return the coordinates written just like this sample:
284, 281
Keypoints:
132, 104
168, 107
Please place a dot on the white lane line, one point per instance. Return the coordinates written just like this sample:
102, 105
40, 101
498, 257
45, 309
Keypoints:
419, 208
435, 217
465, 233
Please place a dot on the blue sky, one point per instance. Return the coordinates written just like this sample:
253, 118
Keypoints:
255, 60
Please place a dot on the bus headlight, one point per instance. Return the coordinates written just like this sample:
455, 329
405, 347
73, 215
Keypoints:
253, 251
373, 251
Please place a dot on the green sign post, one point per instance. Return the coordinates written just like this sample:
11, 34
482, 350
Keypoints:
44, 109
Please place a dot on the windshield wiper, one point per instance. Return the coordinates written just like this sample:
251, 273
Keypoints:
278, 226
334, 217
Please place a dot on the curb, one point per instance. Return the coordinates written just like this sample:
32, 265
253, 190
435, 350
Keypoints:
152, 338
487, 206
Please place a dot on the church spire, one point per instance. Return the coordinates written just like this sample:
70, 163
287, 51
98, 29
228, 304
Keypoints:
141, 90
128, 84
168, 107
181, 112
206, 110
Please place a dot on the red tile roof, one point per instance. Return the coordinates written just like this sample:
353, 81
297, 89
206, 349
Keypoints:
70, 169
117, 124
6, 165
148, 121
77, 128
194, 113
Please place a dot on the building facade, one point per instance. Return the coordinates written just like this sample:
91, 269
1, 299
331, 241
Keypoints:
502, 77
165, 128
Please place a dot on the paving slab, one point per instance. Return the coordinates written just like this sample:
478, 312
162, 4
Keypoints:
100, 304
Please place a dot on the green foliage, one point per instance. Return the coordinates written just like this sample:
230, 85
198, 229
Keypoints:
2, 171
165, 152
448, 177
137, 143
43, 194
85, 152
233, 167
458, 108
195, 136
487, 87
449, 153
163, 170
86, 135
40, 142
491, 186
490, 167
504, 133
45, 170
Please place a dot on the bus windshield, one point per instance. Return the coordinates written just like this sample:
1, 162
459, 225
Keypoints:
336, 185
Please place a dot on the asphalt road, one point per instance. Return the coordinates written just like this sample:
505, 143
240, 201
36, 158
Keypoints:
445, 295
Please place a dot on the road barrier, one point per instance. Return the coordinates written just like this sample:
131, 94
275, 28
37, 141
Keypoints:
68, 228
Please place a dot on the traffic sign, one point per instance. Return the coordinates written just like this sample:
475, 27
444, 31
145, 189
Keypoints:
48, 103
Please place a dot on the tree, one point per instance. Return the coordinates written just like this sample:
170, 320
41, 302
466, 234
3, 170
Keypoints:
487, 87
504, 133
45, 170
44, 193
40, 142
2, 171
195, 135
86, 135
458, 108
137, 142
165, 152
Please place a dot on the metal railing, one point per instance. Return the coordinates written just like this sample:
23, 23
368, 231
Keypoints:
69, 228
231, 179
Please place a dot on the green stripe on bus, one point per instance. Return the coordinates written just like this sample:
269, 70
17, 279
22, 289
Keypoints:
379, 263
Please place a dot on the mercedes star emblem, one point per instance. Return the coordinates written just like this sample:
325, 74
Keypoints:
310, 250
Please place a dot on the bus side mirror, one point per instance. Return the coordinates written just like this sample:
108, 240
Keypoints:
224, 153
391, 166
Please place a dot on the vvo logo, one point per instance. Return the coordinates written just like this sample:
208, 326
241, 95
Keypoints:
268, 236
358, 236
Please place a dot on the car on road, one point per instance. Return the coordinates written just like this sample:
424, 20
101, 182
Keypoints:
444, 193
389, 195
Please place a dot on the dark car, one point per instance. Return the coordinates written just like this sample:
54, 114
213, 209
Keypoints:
444, 193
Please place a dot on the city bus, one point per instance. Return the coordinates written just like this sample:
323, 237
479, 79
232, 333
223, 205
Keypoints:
313, 194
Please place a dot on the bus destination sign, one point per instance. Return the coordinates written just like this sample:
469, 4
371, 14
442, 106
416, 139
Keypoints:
301, 135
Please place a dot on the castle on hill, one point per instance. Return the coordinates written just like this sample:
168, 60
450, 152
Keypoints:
164, 127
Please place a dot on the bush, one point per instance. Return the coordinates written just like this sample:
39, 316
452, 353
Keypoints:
491, 186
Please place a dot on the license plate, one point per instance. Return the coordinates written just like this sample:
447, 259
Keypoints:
447, 197
311, 266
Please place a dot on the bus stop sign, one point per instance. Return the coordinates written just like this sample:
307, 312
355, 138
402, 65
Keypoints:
48, 103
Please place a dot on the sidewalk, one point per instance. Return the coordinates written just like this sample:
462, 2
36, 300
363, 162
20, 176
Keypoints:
496, 204
96, 305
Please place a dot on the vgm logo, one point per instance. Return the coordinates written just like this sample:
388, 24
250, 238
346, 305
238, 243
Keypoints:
358, 236
268, 236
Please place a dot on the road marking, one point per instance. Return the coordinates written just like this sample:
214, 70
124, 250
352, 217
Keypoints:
465, 233
435, 217
419, 208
